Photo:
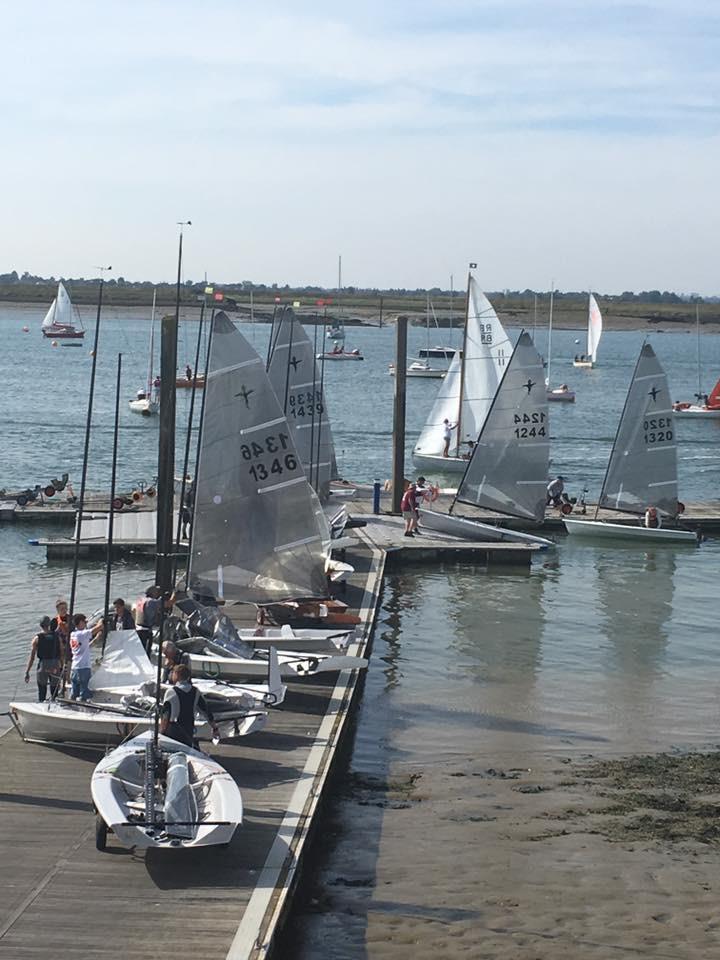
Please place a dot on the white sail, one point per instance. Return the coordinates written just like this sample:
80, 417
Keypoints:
642, 471
487, 350
258, 527
297, 383
61, 311
509, 466
594, 328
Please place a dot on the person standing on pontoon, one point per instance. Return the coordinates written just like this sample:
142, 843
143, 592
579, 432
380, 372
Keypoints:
182, 701
48, 650
409, 510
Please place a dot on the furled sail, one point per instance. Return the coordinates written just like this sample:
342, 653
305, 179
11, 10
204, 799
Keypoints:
509, 465
298, 385
60, 311
642, 471
487, 350
258, 527
594, 328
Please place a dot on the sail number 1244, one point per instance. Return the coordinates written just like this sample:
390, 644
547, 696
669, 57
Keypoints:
533, 425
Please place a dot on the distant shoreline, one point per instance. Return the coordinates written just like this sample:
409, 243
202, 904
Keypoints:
640, 317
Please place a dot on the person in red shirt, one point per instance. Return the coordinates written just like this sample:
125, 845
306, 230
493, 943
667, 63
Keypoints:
409, 509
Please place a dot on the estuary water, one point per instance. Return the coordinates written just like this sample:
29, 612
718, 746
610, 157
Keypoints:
604, 649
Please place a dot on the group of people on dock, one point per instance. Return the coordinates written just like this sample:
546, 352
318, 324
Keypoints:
61, 653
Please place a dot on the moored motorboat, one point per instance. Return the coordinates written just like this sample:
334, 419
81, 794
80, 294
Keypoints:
561, 394
420, 369
340, 353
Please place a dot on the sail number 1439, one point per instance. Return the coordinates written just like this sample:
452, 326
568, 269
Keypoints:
533, 425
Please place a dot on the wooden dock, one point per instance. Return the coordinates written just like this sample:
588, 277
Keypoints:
59, 896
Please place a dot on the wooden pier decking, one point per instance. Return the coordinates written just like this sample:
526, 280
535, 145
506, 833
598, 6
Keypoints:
59, 896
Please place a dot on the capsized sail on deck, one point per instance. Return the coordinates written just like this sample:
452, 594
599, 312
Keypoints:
642, 470
508, 470
472, 380
298, 385
258, 526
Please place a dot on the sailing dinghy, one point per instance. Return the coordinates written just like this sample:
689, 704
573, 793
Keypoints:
563, 393
187, 801
642, 470
594, 332
259, 534
468, 389
146, 402
706, 407
507, 472
58, 323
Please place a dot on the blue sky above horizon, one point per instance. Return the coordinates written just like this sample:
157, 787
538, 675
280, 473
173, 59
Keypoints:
560, 139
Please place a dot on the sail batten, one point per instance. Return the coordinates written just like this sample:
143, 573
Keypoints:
644, 456
507, 472
258, 529
293, 372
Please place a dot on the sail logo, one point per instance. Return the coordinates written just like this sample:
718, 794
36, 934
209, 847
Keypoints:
245, 394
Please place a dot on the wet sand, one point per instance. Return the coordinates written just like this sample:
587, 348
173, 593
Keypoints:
475, 860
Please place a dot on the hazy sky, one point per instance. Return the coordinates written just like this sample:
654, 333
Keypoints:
566, 139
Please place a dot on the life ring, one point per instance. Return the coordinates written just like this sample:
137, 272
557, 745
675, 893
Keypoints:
566, 508
136, 495
431, 494
118, 503
49, 490
150, 492
680, 507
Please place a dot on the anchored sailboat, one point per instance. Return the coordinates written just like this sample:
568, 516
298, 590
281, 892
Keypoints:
58, 323
563, 393
507, 472
594, 332
642, 470
468, 389
706, 407
146, 402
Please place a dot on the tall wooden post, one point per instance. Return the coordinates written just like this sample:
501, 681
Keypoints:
398, 475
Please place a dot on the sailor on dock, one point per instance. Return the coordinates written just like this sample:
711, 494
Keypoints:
182, 701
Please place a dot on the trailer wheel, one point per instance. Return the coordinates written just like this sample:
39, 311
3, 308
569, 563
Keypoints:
22, 500
566, 508
118, 503
101, 832
49, 490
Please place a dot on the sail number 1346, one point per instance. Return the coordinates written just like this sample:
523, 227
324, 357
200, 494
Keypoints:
273, 444
533, 425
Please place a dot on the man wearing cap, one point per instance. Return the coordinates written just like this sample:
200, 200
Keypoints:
555, 490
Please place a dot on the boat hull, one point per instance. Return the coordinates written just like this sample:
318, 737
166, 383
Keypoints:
585, 364
146, 408
437, 353
469, 529
339, 356
51, 722
121, 772
561, 396
291, 666
433, 461
64, 334
421, 374
698, 413
182, 383
600, 529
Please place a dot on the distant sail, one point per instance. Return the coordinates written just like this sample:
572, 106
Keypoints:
60, 311
258, 527
487, 351
296, 379
594, 328
509, 466
642, 471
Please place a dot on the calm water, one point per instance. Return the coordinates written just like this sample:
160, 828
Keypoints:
597, 649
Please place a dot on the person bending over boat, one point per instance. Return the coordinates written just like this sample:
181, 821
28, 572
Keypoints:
180, 704
48, 649
652, 518
174, 657
555, 491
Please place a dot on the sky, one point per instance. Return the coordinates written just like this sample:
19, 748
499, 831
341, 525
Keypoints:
574, 141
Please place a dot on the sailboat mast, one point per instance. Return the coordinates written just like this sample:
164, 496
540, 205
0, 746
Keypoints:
462, 367
550, 321
535, 321
152, 347
452, 294
166, 446
697, 338
111, 515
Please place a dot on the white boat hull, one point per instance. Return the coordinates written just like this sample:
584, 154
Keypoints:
286, 638
339, 356
469, 529
432, 461
52, 722
586, 364
561, 396
420, 373
146, 408
600, 529
117, 793
699, 413
292, 666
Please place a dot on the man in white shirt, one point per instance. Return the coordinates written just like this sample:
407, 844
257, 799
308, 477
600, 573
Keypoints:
447, 436
81, 669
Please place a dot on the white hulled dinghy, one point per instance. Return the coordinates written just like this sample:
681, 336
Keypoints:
594, 332
164, 794
508, 470
468, 389
642, 470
